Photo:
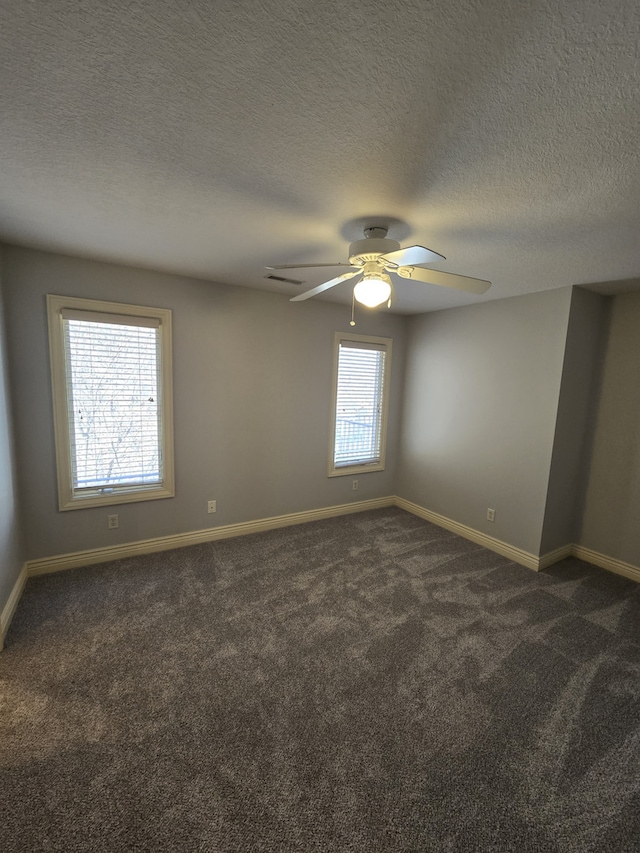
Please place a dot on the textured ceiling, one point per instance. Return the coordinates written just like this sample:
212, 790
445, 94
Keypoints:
213, 139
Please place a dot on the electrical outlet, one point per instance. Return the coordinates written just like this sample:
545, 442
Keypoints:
113, 522
211, 506
491, 515
354, 485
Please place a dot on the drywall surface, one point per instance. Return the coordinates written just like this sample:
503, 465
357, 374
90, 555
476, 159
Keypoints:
252, 388
611, 522
11, 551
583, 358
480, 402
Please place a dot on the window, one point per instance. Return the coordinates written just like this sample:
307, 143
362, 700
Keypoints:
111, 378
361, 379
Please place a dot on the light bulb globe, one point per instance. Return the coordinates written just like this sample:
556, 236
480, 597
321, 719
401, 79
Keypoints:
372, 291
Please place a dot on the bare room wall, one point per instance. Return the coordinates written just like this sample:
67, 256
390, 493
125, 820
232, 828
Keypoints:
611, 523
252, 391
480, 402
583, 357
11, 534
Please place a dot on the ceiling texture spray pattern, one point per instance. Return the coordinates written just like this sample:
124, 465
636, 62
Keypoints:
213, 139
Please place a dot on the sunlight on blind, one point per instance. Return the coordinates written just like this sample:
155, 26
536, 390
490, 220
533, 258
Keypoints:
114, 404
359, 405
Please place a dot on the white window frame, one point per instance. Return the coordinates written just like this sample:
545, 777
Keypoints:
67, 500
371, 342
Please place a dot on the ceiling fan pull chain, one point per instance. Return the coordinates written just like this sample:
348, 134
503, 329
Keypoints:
352, 322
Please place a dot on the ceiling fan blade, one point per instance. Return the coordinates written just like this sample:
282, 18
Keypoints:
306, 266
327, 284
413, 255
444, 279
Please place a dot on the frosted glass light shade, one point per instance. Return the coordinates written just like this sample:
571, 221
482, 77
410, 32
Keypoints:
372, 291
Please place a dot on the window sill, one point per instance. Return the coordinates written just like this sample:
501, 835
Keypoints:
348, 470
114, 498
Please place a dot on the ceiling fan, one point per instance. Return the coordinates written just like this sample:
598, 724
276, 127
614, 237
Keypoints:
374, 257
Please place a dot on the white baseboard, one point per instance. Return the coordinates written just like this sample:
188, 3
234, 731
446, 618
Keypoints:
551, 557
618, 567
180, 540
12, 602
524, 558
92, 556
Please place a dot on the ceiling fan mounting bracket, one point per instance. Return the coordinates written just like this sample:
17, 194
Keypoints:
375, 243
374, 231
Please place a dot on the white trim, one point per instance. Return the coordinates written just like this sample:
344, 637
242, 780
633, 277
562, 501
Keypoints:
611, 564
551, 557
524, 558
92, 556
12, 602
367, 342
181, 540
161, 318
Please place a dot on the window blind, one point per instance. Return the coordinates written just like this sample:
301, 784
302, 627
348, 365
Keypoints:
359, 402
113, 401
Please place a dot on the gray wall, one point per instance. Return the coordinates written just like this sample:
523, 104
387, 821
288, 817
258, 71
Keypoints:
496, 408
480, 403
11, 548
252, 390
584, 354
611, 524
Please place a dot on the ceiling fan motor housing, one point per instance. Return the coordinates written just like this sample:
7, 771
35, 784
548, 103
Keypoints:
369, 249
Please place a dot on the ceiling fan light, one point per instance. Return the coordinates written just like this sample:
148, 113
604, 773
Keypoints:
373, 291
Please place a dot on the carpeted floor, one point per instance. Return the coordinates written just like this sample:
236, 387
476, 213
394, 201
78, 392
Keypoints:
366, 683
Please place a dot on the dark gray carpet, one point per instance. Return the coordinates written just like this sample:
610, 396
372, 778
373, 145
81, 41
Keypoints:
368, 683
